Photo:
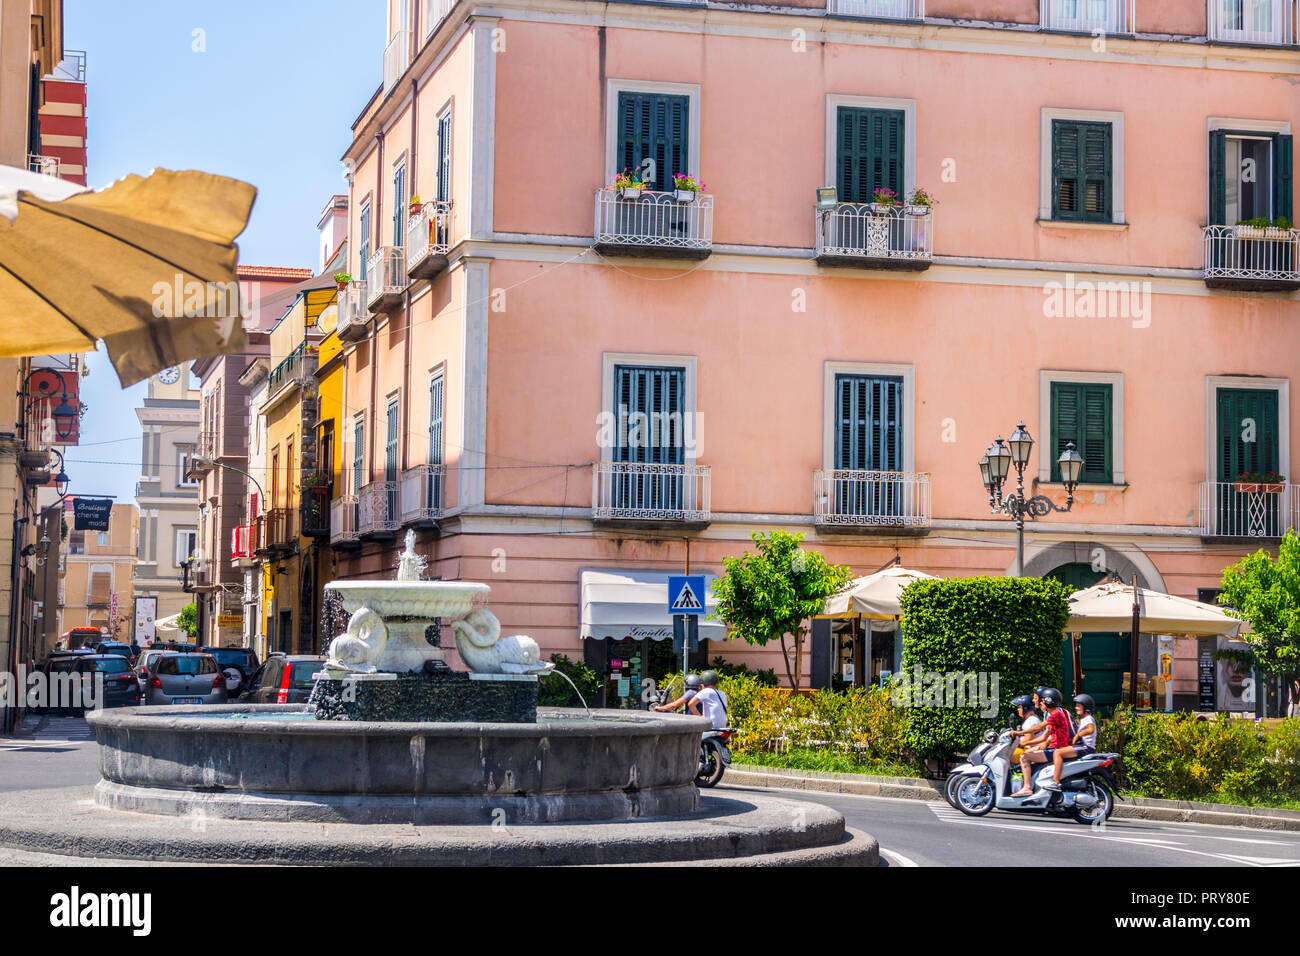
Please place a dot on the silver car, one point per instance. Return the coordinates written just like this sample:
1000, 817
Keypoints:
185, 679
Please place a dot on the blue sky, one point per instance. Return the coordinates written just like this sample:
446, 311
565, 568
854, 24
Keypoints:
270, 100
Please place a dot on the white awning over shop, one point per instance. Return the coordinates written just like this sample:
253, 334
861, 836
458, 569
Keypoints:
623, 605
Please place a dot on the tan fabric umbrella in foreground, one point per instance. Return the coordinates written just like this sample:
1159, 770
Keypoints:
875, 596
147, 265
1109, 607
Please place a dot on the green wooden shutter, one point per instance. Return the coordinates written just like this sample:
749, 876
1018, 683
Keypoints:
390, 447
444, 157
658, 394
1218, 177
1082, 171
1083, 413
1241, 411
870, 152
1283, 167
399, 206
435, 420
869, 423
654, 126
358, 455
363, 247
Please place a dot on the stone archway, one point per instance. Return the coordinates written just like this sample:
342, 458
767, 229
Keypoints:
1094, 553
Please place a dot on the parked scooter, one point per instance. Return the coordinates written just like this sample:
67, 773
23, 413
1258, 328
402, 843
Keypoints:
1087, 786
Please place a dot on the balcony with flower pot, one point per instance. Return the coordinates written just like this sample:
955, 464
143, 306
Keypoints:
886, 233
314, 506
354, 320
428, 234
1255, 506
1258, 255
634, 220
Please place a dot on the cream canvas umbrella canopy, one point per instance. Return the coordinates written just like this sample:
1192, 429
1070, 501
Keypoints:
875, 596
1108, 607
148, 265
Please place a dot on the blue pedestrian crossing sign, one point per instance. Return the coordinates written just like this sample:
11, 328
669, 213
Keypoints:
686, 594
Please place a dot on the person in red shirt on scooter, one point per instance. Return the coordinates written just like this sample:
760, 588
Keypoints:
1058, 728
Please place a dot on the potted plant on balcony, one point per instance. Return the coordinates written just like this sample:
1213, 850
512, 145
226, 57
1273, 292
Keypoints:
883, 201
1267, 482
920, 202
1272, 246
343, 279
686, 187
414, 205
627, 185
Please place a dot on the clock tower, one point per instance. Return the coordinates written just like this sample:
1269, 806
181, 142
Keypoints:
173, 383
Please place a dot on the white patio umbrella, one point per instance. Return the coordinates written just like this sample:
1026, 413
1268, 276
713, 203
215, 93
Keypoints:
168, 626
874, 596
1108, 607
148, 265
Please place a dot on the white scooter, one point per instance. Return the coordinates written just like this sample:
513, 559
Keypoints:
1087, 786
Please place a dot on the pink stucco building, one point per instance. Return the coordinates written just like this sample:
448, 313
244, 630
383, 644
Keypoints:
572, 390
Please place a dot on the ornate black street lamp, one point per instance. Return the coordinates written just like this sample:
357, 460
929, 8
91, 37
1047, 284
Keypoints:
64, 414
996, 464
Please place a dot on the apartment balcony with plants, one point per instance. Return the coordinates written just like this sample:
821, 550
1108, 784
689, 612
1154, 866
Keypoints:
634, 220
883, 234
354, 318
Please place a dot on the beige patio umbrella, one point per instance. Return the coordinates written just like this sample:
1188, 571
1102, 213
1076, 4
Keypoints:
1108, 607
875, 596
147, 265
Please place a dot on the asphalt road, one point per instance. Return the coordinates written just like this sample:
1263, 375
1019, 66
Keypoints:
59, 752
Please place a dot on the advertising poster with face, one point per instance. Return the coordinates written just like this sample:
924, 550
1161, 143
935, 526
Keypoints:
1235, 681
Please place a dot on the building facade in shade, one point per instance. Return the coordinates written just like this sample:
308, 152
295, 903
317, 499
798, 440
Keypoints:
95, 588
221, 463
35, 75
853, 245
167, 494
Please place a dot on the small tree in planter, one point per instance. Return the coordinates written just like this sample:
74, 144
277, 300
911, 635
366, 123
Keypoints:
768, 594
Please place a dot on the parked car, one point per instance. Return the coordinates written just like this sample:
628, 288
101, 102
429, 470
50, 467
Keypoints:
116, 647
237, 663
120, 685
143, 663
283, 679
185, 679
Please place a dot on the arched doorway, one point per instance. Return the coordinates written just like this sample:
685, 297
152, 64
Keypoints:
1104, 658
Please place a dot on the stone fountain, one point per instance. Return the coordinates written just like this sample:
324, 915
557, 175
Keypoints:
400, 759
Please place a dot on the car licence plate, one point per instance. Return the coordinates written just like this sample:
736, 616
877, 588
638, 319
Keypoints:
187, 700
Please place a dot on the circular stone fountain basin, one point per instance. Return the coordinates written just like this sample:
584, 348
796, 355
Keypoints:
423, 599
276, 763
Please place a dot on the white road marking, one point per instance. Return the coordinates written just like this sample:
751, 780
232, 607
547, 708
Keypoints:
897, 859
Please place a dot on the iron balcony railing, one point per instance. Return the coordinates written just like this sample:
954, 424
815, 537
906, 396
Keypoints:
397, 57
242, 542
314, 512
379, 513
353, 316
650, 492
435, 11
296, 369
673, 223
345, 520
428, 235
1264, 254
895, 236
1097, 17
1252, 21
878, 9
275, 530
207, 446
422, 494
45, 165
871, 498
1230, 509
385, 278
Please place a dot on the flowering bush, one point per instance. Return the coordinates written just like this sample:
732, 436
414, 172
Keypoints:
687, 182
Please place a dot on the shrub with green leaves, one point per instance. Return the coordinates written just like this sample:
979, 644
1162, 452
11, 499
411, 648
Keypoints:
554, 691
1012, 627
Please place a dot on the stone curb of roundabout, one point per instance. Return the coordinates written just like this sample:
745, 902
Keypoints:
727, 830
912, 788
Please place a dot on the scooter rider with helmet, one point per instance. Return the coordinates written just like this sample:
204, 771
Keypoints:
1058, 727
1031, 724
710, 702
683, 703
1082, 744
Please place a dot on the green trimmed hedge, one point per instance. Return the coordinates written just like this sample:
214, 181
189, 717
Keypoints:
1011, 627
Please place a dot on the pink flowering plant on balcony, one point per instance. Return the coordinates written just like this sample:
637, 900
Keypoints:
884, 196
626, 180
687, 183
922, 197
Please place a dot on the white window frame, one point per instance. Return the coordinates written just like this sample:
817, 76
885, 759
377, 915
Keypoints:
908, 107
436, 374
1264, 127
906, 372
447, 114
180, 533
614, 87
1280, 385
183, 454
610, 360
1117, 12
102, 540
1212, 8
90, 580
358, 462
1116, 120
1045, 445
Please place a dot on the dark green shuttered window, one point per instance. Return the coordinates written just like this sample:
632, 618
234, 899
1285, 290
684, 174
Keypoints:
868, 423
869, 152
1083, 413
1282, 173
654, 126
1248, 441
1082, 171
649, 405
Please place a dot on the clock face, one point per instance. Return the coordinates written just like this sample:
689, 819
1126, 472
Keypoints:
170, 376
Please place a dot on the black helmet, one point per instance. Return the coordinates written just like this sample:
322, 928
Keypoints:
1023, 702
1086, 700
693, 682
1051, 696
709, 678
1040, 691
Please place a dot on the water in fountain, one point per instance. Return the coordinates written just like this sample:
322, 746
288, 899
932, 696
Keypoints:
410, 566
